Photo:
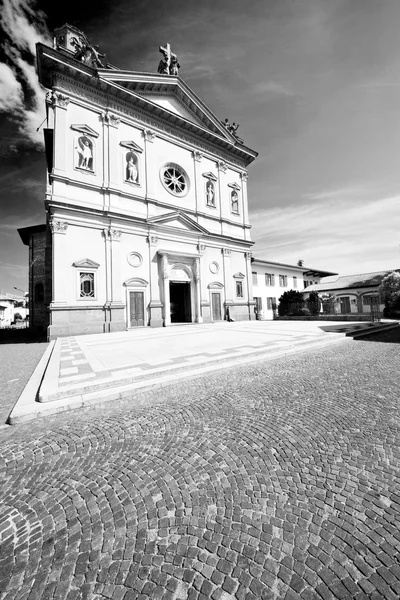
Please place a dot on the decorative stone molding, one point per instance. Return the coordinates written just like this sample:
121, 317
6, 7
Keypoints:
214, 267
149, 135
197, 155
57, 99
111, 234
248, 255
110, 119
201, 248
226, 251
221, 166
152, 240
134, 259
57, 226
244, 176
196, 269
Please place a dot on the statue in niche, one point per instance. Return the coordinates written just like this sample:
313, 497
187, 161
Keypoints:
234, 201
87, 54
169, 64
131, 167
85, 153
210, 193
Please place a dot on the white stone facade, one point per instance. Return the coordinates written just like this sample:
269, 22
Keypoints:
146, 202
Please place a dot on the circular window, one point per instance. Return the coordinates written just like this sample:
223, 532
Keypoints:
175, 179
135, 259
214, 267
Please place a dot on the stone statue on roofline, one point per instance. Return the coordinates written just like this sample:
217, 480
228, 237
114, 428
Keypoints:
87, 54
232, 128
169, 64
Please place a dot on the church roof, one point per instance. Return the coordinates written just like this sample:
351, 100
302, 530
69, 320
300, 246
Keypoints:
166, 97
350, 281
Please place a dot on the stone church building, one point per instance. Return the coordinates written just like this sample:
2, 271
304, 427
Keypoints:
146, 201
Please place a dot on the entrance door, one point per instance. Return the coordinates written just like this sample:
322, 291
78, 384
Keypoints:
179, 296
136, 309
345, 305
216, 306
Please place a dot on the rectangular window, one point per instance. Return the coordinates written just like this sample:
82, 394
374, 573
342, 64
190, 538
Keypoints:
254, 276
294, 282
271, 303
305, 283
258, 304
86, 285
367, 300
283, 280
269, 279
239, 289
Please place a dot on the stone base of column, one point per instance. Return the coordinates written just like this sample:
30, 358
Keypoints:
156, 318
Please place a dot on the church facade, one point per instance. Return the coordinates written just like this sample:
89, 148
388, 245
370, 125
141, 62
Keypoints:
146, 202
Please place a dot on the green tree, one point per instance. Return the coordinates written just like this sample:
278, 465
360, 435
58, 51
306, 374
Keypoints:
328, 303
17, 316
389, 291
314, 303
290, 303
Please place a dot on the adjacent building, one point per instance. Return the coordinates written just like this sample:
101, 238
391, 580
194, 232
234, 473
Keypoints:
146, 202
271, 279
353, 294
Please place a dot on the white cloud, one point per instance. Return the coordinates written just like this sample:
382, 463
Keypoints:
25, 26
272, 87
337, 234
11, 96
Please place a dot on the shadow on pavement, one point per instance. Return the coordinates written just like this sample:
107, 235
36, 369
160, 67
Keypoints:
344, 328
21, 336
392, 336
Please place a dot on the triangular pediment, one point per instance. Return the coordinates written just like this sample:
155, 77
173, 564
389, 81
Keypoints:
178, 220
86, 263
239, 275
210, 176
130, 145
85, 129
172, 95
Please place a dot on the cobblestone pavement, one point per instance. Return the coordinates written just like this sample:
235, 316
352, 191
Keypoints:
17, 363
277, 480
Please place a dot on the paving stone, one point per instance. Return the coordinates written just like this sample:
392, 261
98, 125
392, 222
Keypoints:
270, 478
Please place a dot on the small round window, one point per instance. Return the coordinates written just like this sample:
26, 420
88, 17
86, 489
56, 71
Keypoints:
175, 179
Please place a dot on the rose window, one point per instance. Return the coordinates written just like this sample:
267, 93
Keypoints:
175, 179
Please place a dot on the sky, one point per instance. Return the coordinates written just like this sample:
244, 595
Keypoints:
314, 85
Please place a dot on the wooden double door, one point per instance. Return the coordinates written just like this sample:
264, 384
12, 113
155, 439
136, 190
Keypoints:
136, 309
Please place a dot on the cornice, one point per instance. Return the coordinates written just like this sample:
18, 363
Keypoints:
101, 100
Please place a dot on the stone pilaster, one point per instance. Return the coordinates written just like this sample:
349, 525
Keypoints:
228, 282
150, 162
59, 103
59, 252
155, 305
165, 278
197, 284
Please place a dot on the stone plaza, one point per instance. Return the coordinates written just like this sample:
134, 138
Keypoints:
276, 479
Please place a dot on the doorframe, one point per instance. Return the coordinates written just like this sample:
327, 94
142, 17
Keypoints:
186, 268
136, 284
216, 287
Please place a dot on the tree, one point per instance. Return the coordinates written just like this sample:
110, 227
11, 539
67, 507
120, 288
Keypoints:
290, 303
328, 303
314, 303
17, 316
389, 291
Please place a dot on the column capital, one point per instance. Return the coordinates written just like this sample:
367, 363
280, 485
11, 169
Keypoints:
244, 176
152, 240
57, 99
111, 234
197, 155
110, 119
222, 166
226, 251
58, 226
248, 255
149, 135
201, 248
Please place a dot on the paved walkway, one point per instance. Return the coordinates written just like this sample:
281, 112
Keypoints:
276, 480
93, 368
